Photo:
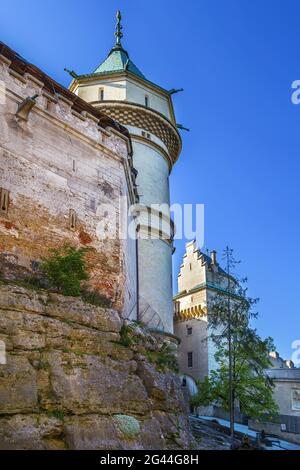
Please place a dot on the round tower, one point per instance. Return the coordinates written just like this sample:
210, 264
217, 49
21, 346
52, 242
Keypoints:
120, 90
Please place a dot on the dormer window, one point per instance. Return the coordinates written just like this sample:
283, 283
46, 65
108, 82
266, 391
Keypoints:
147, 101
101, 94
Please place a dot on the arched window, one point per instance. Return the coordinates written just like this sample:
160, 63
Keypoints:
147, 101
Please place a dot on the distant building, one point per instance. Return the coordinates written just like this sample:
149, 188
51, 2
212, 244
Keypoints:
200, 279
286, 378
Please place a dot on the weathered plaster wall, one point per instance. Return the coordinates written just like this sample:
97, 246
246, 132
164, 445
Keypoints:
153, 174
155, 255
283, 396
155, 275
55, 162
195, 343
69, 384
151, 159
194, 304
192, 272
124, 89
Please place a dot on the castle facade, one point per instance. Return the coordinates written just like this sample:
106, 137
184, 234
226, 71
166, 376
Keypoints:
67, 155
61, 159
199, 279
120, 90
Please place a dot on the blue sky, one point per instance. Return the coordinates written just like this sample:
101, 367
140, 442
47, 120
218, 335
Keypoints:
236, 61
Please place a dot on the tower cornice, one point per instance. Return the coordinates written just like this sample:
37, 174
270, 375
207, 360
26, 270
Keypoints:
146, 119
94, 77
190, 313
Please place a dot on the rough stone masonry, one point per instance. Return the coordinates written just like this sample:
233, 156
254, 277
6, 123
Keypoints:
70, 383
62, 164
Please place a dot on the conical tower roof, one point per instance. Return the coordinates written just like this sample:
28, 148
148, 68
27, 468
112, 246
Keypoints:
118, 59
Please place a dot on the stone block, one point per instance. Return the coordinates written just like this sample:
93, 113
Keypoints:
18, 390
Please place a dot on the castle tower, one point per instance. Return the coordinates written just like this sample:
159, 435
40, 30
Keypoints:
120, 90
199, 279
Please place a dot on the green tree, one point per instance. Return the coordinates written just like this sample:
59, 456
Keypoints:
242, 357
251, 387
65, 269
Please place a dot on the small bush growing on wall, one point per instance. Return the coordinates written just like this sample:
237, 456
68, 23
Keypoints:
164, 359
65, 269
95, 298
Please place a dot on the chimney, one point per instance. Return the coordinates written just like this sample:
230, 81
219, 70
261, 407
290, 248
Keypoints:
213, 255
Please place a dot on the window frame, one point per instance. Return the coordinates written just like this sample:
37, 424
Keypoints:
190, 359
101, 94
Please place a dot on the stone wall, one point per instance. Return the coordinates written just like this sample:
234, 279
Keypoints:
71, 381
56, 161
275, 429
197, 344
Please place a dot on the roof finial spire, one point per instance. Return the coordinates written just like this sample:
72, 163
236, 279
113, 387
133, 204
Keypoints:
119, 27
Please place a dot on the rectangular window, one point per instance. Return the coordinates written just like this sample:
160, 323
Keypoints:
190, 359
296, 399
4, 200
189, 331
72, 220
74, 165
101, 94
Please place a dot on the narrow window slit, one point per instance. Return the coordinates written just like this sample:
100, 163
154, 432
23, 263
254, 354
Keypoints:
4, 201
72, 220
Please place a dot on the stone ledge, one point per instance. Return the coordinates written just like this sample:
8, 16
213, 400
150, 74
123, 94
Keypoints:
58, 306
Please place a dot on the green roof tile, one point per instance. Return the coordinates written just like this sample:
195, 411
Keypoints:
117, 61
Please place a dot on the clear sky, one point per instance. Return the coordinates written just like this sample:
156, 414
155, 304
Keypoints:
236, 60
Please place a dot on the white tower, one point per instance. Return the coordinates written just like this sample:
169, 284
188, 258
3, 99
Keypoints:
120, 90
